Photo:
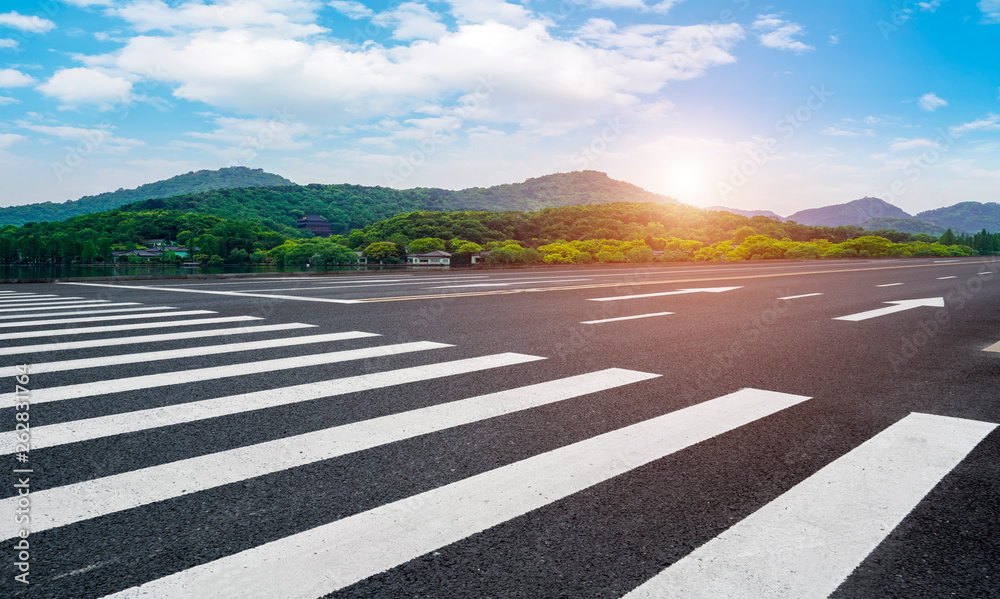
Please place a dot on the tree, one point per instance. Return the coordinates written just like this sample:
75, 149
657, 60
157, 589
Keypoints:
381, 250
948, 238
89, 252
425, 245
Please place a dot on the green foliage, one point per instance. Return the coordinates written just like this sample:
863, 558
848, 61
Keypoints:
425, 245
381, 250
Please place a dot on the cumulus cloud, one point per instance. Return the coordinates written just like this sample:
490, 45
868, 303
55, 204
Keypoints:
780, 34
28, 23
834, 131
288, 18
930, 102
78, 86
14, 78
411, 21
990, 122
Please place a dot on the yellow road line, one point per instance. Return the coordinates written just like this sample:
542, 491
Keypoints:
658, 282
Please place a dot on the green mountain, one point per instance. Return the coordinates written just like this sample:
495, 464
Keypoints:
903, 225
749, 213
851, 213
967, 217
193, 182
356, 206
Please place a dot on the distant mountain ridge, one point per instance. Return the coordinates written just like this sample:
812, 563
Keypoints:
349, 207
966, 217
188, 183
851, 213
749, 213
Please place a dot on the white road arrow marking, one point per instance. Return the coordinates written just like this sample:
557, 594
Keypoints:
932, 302
678, 292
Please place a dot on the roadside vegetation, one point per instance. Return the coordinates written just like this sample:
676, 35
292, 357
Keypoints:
601, 233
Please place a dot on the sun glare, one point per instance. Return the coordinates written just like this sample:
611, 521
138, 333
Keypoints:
686, 181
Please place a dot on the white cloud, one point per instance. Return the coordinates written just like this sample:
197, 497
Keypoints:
8, 43
616, 4
5, 100
9, 139
536, 76
991, 10
901, 145
411, 20
989, 123
351, 9
779, 34
86, 86
27, 23
839, 132
482, 11
287, 18
86, 3
14, 78
930, 102
103, 141
256, 135
930, 6
835, 39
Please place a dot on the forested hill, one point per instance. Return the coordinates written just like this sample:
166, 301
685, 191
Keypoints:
355, 206
189, 183
967, 217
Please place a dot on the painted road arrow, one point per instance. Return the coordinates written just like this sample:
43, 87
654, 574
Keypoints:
678, 292
932, 302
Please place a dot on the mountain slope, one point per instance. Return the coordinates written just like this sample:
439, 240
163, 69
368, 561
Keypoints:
749, 213
903, 225
966, 217
356, 206
851, 213
193, 182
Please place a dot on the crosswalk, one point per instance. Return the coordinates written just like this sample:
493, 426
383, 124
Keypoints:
803, 543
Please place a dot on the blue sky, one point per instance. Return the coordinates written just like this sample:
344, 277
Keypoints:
775, 105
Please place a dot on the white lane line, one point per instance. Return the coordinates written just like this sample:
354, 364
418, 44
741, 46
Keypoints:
662, 293
84, 312
184, 352
130, 422
139, 339
127, 327
625, 318
951, 277
163, 379
995, 347
988, 272
229, 293
94, 498
529, 282
791, 297
889, 285
944, 261
35, 323
60, 305
805, 543
330, 557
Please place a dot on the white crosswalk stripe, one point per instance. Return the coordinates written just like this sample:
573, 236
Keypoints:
85, 312
104, 387
805, 543
802, 544
140, 339
349, 550
94, 498
25, 307
127, 327
36, 323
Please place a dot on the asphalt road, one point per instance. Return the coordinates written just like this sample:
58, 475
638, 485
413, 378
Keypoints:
721, 430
